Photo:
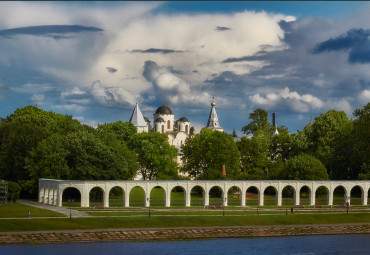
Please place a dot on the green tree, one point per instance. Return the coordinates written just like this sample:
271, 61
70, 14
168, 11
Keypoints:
361, 142
255, 163
122, 130
259, 123
304, 167
205, 153
155, 156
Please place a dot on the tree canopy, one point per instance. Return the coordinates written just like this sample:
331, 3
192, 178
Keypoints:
205, 153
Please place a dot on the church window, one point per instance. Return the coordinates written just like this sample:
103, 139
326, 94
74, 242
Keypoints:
186, 129
168, 124
162, 128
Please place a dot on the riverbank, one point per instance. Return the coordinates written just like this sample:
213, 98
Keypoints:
179, 233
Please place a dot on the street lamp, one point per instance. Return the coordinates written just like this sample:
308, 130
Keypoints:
223, 207
347, 203
149, 200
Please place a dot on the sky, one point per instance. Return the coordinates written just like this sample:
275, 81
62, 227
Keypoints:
95, 60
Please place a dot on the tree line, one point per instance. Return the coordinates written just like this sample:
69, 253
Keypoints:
41, 144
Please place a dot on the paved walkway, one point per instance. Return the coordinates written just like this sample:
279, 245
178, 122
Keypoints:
63, 210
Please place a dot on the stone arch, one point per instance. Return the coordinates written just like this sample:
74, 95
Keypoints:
96, 196
197, 195
216, 195
137, 196
155, 194
176, 198
305, 194
116, 196
252, 194
339, 194
356, 194
42, 194
322, 195
71, 195
288, 193
269, 198
234, 195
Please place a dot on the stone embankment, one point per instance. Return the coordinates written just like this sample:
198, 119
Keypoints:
163, 234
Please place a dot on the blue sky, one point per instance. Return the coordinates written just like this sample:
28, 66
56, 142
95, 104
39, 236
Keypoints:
95, 60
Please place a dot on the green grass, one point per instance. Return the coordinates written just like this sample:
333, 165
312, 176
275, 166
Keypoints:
16, 210
178, 221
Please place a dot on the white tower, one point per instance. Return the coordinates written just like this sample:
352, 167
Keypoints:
138, 120
213, 122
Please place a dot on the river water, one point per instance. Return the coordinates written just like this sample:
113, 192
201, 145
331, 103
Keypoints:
297, 245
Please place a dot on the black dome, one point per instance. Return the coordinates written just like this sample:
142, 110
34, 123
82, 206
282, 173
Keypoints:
163, 110
183, 119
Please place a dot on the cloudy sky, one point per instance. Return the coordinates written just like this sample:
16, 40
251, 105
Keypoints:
95, 60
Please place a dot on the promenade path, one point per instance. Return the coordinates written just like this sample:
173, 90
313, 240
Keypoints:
63, 210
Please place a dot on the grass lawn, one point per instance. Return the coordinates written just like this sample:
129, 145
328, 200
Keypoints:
20, 210
178, 221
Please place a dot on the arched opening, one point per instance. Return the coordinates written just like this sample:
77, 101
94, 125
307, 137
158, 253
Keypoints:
339, 195
304, 195
234, 196
270, 196
215, 196
157, 196
251, 196
197, 196
168, 124
322, 196
116, 197
137, 197
288, 195
71, 197
96, 197
178, 196
356, 195
186, 129
162, 129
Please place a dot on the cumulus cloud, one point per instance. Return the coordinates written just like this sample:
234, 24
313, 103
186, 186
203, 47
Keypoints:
76, 96
364, 96
287, 100
112, 96
168, 84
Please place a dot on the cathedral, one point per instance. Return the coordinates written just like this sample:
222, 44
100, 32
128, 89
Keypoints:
164, 122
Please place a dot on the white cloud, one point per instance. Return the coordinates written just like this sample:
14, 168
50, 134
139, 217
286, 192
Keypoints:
33, 88
288, 99
112, 96
38, 99
364, 96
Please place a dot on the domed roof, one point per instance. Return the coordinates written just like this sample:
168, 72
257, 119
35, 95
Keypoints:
183, 119
159, 120
164, 109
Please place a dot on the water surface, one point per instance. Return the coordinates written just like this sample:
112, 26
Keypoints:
320, 244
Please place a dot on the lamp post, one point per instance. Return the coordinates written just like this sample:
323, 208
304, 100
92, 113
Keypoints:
149, 200
347, 204
223, 207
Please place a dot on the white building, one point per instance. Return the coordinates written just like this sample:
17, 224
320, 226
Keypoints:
138, 120
213, 122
